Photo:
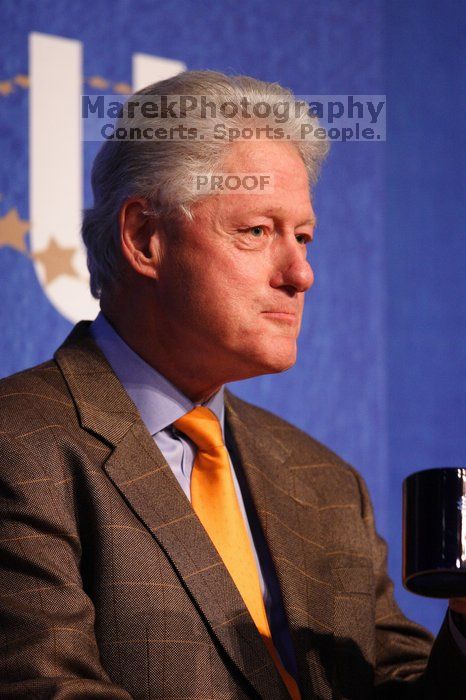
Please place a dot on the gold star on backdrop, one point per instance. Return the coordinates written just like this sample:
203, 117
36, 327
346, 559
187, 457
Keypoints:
13, 230
56, 261
6, 87
123, 88
22, 80
96, 81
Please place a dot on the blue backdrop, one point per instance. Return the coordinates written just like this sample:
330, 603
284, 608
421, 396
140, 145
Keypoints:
381, 373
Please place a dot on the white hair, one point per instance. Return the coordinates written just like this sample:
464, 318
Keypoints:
163, 171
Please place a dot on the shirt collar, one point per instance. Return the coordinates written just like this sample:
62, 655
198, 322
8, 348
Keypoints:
158, 401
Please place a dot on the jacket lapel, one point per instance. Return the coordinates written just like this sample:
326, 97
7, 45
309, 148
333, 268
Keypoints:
289, 518
139, 471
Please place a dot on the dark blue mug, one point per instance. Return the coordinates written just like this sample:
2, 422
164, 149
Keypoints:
434, 532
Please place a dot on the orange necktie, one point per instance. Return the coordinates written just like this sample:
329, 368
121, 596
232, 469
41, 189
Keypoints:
213, 498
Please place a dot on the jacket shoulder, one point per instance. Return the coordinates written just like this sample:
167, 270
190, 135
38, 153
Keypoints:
311, 466
296, 440
32, 398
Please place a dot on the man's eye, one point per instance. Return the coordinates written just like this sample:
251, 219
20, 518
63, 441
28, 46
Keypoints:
303, 238
257, 231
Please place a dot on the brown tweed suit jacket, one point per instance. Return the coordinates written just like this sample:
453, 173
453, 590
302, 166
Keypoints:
110, 587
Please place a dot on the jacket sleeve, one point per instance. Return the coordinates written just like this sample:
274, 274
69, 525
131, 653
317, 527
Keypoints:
48, 646
409, 664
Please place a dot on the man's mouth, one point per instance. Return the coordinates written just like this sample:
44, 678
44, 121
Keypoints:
280, 315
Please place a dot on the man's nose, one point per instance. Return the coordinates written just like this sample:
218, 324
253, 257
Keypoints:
293, 269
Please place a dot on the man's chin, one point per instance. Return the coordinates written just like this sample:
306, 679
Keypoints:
276, 360
283, 366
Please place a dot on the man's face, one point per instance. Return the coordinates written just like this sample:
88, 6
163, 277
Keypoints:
231, 283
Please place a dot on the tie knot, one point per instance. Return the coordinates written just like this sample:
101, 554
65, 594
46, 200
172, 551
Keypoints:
202, 426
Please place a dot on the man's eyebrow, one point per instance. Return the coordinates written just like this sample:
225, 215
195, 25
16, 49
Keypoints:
311, 221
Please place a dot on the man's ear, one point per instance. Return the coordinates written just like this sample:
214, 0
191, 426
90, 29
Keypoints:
140, 239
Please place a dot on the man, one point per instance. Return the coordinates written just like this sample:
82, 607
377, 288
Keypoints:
143, 558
